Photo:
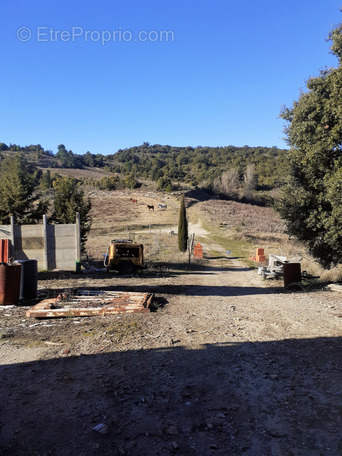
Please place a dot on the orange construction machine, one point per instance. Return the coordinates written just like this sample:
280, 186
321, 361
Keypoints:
124, 255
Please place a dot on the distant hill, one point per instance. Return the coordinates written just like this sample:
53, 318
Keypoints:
167, 165
196, 165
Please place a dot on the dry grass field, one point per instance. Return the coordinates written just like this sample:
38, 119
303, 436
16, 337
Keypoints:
86, 173
247, 218
235, 226
115, 216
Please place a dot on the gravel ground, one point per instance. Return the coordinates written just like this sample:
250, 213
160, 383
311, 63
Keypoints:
227, 365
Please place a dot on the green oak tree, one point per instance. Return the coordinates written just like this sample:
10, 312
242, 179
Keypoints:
311, 202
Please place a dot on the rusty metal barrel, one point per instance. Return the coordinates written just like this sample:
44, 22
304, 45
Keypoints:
9, 284
292, 273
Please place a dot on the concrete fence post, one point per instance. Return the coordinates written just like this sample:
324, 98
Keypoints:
46, 246
78, 236
12, 249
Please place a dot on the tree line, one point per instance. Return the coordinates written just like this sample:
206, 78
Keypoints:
167, 165
202, 165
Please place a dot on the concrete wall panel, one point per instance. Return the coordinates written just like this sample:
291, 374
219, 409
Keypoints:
53, 246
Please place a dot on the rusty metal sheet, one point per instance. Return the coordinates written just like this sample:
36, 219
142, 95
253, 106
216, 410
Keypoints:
86, 304
4, 250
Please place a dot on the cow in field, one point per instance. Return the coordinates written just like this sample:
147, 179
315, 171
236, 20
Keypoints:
133, 200
150, 208
162, 206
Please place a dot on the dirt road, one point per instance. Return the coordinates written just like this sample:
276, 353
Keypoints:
229, 365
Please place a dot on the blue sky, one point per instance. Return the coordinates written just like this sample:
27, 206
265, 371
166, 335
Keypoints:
91, 78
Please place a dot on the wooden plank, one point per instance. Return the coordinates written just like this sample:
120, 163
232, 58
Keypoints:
106, 304
64, 313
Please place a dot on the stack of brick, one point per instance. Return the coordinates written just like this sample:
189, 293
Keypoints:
260, 256
198, 250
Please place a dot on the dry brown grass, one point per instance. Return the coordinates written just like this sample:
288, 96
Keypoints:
114, 209
86, 173
116, 217
325, 275
244, 218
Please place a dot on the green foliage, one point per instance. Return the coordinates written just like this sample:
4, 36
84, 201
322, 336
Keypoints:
164, 184
69, 200
46, 181
195, 165
131, 182
311, 202
182, 227
173, 164
89, 159
66, 159
107, 183
93, 160
336, 38
18, 197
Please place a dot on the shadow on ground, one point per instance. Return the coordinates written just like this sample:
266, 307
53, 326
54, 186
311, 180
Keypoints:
176, 290
274, 398
152, 271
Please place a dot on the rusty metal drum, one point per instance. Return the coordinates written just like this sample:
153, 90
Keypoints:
9, 284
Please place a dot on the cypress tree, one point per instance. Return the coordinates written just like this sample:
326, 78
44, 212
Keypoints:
182, 228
